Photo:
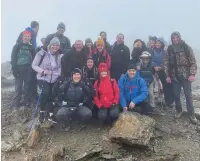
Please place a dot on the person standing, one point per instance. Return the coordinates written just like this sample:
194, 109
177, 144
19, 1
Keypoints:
120, 57
47, 64
21, 59
89, 47
65, 44
151, 43
180, 68
158, 59
76, 58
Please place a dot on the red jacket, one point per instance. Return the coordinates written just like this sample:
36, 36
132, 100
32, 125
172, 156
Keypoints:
106, 93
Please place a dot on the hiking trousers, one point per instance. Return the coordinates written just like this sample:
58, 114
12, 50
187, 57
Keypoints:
188, 95
22, 84
151, 94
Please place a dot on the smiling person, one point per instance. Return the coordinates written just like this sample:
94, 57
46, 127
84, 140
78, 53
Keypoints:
180, 68
47, 64
65, 44
21, 59
89, 47
74, 99
107, 95
120, 57
151, 43
76, 58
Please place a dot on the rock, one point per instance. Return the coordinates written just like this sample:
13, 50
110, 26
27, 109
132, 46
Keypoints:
56, 152
163, 129
7, 146
198, 129
168, 157
95, 152
34, 135
129, 158
197, 112
133, 129
17, 135
108, 157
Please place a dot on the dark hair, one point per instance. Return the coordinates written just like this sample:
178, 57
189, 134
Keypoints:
120, 34
102, 33
34, 24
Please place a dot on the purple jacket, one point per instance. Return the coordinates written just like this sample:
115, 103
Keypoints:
50, 64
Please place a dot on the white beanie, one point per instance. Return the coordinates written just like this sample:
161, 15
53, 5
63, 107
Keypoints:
55, 40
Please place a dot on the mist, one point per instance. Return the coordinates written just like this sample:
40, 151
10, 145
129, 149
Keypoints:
86, 18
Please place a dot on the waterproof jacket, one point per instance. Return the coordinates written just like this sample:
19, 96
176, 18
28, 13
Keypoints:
72, 60
50, 63
103, 57
33, 37
90, 74
107, 93
22, 54
65, 44
180, 61
132, 90
120, 59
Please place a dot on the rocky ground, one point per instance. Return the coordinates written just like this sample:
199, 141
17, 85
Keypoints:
167, 139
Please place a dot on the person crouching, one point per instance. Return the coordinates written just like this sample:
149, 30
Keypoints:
107, 95
75, 95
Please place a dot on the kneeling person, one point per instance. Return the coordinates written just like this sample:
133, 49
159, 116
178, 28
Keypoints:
133, 91
107, 95
75, 95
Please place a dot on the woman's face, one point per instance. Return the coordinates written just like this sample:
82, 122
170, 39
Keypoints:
138, 44
76, 77
89, 44
104, 74
100, 48
54, 48
90, 63
152, 43
158, 44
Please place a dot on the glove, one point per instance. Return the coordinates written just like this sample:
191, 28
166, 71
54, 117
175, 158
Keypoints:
80, 104
191, 78
15, 73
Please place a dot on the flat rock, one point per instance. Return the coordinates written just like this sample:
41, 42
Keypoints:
7, 146
132, 129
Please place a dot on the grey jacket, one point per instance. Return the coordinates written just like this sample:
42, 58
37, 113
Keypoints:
51, 64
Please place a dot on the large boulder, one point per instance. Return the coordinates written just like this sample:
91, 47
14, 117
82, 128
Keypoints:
133, 129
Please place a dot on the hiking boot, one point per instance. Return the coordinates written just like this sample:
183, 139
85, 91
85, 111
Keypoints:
42, 117
53, 119
193, 119
178, 114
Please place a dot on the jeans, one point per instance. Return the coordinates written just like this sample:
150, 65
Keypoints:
22, 84
108, 113
82, 113
188, 95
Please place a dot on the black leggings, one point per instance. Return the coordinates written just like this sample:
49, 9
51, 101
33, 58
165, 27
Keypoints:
45, 98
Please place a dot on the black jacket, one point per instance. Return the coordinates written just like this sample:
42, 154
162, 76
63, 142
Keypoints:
65, 44
120, 59
72, 60
90, 74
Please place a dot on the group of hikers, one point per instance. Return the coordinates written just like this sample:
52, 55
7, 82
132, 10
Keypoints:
98, 79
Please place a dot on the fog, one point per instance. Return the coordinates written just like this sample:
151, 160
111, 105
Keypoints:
86, 18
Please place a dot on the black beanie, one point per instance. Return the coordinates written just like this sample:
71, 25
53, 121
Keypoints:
132, 66
61, 25
76, 70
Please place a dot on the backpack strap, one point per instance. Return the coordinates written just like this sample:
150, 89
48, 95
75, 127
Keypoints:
42, 58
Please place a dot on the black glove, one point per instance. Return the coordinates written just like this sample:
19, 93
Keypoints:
15, 72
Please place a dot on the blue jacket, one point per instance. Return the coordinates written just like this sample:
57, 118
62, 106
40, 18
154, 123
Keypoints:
135, 90
158, 56
33, 37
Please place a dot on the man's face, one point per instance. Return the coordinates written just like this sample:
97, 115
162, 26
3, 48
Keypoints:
60, 31
78, 45
104, 74
54, 48
100, 48
131, 73
175, 39
120, 39
26, 38
152, 43
36, 29
158, 44
76, 77
145, 60
90, 63
89, 44
103, 35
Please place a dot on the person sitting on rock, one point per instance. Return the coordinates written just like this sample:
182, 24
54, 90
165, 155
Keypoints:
145, 67
107, 95
133, 91
75, 94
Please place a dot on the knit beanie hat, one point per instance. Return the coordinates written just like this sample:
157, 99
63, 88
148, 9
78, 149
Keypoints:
100, 41
27, 33
76, 70
61, 25
176, 34
55, 40
103, 67
132, 66
88, 40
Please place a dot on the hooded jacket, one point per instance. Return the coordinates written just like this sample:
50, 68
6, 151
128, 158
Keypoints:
132, 90
107, 92
72, 60
179, 62
33, 37
51, 63
103, 57
120, 58
90, 74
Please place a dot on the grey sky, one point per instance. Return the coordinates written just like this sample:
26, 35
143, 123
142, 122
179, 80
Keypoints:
86, 18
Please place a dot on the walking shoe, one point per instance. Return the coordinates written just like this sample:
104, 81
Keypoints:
193, 119
42, 117
178, 114
52, 118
